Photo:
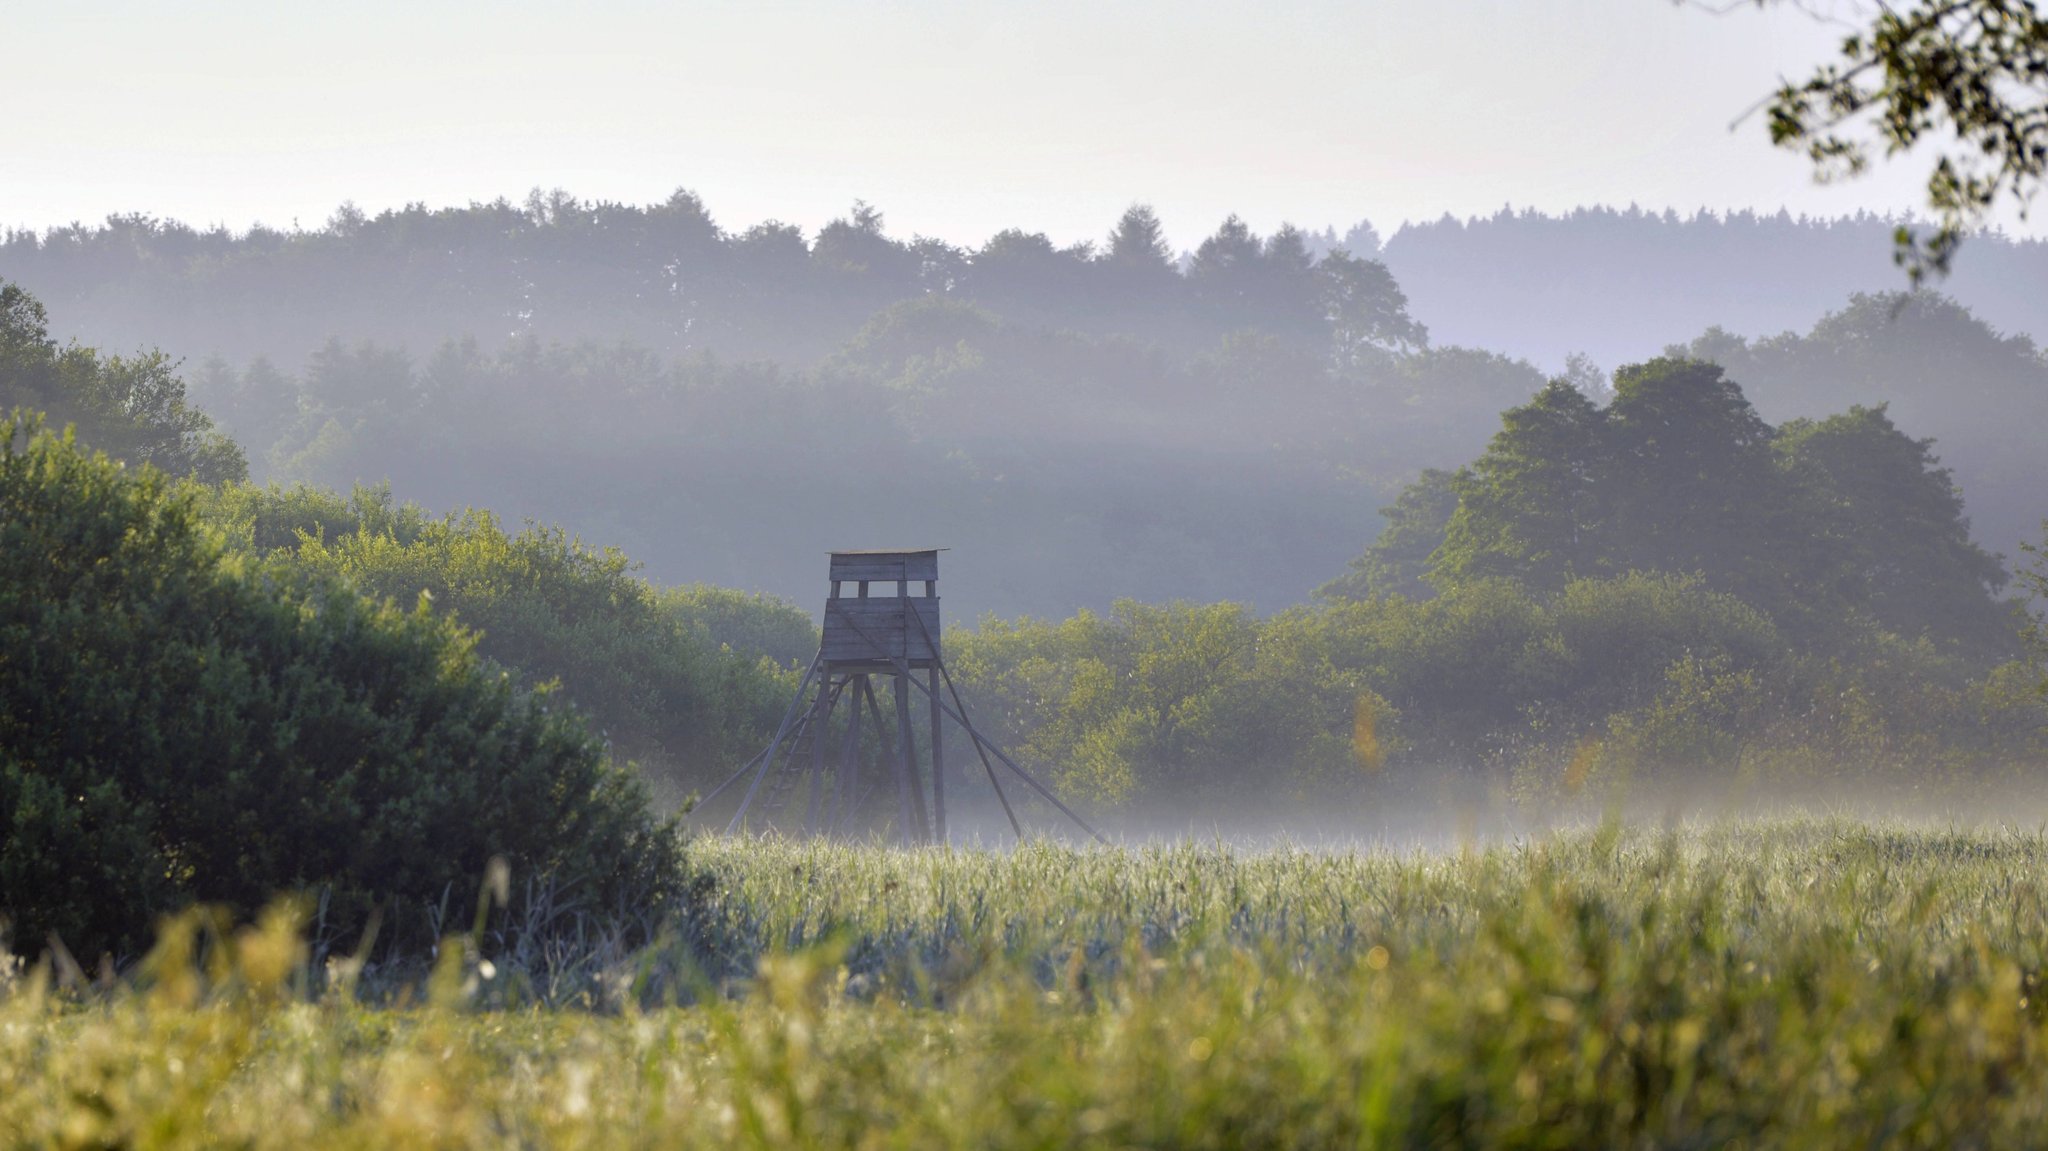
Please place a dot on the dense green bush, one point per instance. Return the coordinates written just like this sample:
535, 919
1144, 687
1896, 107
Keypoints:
1180, 707
1644, 680
178, 722
749, 624
646, 666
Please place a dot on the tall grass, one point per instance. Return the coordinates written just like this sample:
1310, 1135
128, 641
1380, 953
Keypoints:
1780, 984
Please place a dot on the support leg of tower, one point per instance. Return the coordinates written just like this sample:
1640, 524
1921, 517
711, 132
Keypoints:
911, 787
821, 718
847, 776
768, 757
938, 760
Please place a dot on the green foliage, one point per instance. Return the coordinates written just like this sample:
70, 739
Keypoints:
749, 624
1828, 525
1692, 729
1673, 475
132, 408
2033, 580
644, 665
916, 328
1689, 471
1172, 709
1626, 634
1459, 669
1367, 309
180, 723
1937, 369
1970, 73
1646, 680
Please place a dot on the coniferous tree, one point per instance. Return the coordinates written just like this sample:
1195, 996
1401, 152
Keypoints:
1288, 298
1138, 243
1224, 274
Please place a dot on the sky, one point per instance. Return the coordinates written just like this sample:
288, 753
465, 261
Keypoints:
956, 119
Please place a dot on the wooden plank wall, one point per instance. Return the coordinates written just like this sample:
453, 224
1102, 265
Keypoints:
853, 628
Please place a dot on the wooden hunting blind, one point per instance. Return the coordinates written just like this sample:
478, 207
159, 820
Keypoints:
881, 624
870, 631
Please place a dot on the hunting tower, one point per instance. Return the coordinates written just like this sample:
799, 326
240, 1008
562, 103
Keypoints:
881, 624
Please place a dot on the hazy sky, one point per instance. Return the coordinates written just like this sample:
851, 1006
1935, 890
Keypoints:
957, 119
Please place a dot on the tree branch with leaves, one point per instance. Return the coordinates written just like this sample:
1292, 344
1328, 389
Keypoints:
1972, 74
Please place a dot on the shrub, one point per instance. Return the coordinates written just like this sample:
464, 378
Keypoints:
750, 624
1175, 707
549, 608
1623, 634
180, 723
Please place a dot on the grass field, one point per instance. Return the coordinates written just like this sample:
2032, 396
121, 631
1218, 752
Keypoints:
1786, 984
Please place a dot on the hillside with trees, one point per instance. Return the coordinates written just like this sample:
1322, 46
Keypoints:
1940, 371
1066, 470
1615, 284
1660, 591
669, 278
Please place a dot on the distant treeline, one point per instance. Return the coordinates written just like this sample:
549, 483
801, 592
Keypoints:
1619, 284
1615, 284
668, 278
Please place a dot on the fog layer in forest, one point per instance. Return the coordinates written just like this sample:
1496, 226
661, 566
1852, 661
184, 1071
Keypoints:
1079, 424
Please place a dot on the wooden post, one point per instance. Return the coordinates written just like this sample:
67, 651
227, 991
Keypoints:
820, 722
848, 775
938, 761
906, 766
768, 757
891, 761
919, 816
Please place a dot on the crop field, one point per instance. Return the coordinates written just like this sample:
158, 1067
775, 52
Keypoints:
1784, 983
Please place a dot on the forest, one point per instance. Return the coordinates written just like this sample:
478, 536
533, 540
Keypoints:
1232, 533
1615, 284
1078, 424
